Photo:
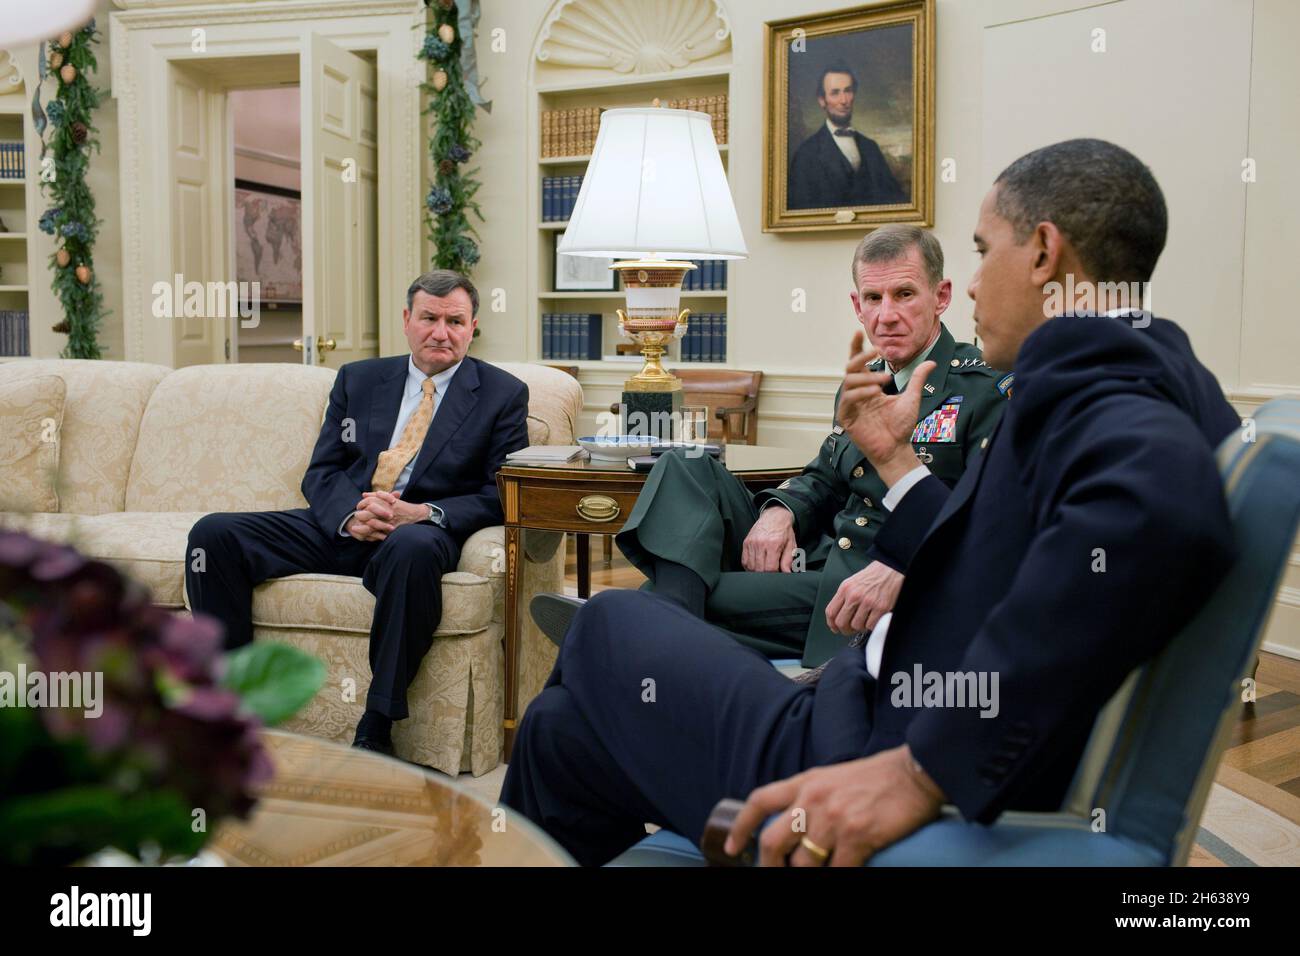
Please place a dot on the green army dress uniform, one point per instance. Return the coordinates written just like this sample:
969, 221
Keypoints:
697, 514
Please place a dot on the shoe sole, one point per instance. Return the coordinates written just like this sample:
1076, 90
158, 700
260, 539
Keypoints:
553, 614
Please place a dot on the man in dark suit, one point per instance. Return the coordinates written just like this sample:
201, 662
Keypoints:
403, 472
1089, 531
837, 166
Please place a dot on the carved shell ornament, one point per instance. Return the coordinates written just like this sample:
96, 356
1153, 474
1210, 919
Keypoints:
11, 78
633, 36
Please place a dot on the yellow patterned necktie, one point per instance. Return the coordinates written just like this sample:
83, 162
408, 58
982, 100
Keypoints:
392, 461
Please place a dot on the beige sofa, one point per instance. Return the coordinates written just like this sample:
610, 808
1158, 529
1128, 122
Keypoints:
145, 451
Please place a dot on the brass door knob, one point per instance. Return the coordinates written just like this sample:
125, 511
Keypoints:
297, 344
598, 508
326, 345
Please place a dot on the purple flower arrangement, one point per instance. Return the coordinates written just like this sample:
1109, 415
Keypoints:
163, 741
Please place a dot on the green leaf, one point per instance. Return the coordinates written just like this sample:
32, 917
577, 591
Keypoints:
274, 680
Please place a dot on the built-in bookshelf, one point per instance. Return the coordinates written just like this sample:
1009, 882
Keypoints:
566, 117
16, 224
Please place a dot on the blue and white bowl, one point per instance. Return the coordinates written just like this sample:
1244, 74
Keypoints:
618, 447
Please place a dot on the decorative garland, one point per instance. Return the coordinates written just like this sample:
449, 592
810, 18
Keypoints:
449, 48
71, 216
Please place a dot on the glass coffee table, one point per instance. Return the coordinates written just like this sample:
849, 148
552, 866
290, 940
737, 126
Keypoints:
331, 805
595, 497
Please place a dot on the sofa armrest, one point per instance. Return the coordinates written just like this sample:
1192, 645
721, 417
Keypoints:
484, 553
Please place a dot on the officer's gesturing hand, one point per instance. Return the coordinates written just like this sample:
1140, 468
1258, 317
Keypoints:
770, 544
880, 425
862, 599
848, 810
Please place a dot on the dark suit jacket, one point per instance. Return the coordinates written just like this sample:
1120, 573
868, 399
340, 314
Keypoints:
1107, 443
821, 176
482, 417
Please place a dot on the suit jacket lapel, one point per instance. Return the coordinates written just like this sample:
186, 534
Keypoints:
385, 403
461, 396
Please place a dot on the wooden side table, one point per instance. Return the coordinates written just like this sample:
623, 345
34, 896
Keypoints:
594, 497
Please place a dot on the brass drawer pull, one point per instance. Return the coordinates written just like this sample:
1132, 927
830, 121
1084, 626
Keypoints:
598, 508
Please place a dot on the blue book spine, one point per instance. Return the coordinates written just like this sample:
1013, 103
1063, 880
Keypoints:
706, 276
594, 322
566, 198
561, 336
4, 333
722, 274
722, 337
716, 274
25, 346
706, 338
546, 336
548, 199
693, 277
696, 330
571, 336
584, 336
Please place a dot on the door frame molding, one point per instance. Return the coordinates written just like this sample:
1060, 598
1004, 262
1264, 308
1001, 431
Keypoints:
146, 36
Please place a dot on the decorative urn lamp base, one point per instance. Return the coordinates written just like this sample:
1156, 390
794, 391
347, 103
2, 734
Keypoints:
653, 396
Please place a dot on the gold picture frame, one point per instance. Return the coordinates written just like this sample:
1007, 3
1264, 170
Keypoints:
808, 184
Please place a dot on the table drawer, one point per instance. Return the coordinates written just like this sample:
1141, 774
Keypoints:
599, 511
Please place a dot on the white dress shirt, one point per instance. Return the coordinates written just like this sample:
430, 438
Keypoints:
848, 145
411, 396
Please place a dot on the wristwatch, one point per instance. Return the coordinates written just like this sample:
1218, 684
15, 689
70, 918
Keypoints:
435, 514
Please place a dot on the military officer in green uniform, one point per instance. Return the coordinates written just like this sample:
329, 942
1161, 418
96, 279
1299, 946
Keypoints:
791, 571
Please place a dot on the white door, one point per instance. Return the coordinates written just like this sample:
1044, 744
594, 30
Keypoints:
200, 174
339, 216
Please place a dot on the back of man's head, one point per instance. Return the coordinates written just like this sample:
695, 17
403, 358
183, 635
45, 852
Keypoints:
1099, 195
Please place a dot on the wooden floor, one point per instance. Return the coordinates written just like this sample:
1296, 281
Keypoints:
1261, 768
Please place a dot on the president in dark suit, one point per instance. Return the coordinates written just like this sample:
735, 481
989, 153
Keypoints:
837, 166
403, 472
1076, 546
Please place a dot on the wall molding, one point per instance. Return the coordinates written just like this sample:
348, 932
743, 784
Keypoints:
631, 36
266, 156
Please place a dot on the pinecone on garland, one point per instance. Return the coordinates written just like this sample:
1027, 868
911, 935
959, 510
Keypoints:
446, 4
79, 132
62, 328
446, 167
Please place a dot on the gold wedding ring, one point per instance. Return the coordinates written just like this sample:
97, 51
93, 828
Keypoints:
818, 853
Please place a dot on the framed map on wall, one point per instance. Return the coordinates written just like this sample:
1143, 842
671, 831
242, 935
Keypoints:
268, 240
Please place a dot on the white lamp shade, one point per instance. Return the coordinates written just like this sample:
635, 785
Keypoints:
654, 187
22, 21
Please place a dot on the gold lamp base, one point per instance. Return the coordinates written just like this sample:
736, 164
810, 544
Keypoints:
652, 319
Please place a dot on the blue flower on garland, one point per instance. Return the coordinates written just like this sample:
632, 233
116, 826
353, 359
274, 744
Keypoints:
76, 230
54, 110
467, 250
439, 201
47, 224
458, 153
435, 49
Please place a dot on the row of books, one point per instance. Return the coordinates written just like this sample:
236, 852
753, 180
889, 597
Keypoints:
570, 132
706, 338
12, 162
13, 333
710, 275
715, 106
559, 196
571, 335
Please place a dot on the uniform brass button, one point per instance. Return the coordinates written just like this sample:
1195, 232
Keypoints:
867, 502
860, 521
956, 362
845, 544
858, 472
984, 443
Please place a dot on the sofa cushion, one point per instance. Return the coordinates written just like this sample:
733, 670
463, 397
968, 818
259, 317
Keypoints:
101, 418
554, 402
333, 602
228, 438
148, 547
31, 413
59, 528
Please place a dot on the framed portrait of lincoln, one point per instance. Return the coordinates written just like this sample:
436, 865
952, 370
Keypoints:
848, 103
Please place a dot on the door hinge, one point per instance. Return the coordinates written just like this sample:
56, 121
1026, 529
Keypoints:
227, 350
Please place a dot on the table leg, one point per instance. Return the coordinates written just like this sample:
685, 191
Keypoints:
514, 584
583, 542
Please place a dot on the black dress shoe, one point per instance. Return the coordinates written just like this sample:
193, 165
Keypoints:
366, 742
554, 613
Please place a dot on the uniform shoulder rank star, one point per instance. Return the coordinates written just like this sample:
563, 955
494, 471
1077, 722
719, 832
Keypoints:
973, 363
1006, 382
837, 430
